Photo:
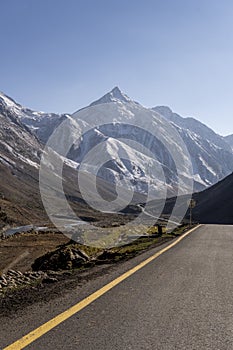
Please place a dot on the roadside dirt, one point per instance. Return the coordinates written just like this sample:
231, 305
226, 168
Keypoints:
19, 251
18, 299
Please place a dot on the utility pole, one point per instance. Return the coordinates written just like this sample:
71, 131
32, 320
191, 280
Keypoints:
192, 204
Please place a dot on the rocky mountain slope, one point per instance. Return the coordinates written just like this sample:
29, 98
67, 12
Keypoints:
214, 205
125, 140
19, 165
117, 141
20, 156
41, 124
211, 154
229, 140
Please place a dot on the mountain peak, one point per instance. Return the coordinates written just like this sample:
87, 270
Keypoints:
115, 95
8, 101
116, 89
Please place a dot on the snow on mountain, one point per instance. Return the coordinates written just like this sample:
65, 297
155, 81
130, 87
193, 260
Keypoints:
229, 140
211, 155
115, 95
40, 123
119, 125
20, 156
17, 142
110, 126
193, 125
20, 147
19, 167
127, 164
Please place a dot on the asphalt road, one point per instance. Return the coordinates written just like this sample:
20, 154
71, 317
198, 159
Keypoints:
181, 300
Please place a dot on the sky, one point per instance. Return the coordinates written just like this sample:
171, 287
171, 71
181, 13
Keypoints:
60, 55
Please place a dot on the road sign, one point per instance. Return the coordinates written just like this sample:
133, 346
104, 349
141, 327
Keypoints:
192, 203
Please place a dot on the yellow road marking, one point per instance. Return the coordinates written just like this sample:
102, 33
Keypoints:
46, 327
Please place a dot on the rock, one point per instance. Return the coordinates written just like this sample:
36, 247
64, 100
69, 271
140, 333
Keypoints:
14, 279
3, 279
19, 281
81, 253
19, 273
26, 278
4, 284
12, 284
33, 277
12, 273
49, 280
53, 273
63, 258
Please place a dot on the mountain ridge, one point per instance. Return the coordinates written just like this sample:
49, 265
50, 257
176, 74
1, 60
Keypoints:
211, 155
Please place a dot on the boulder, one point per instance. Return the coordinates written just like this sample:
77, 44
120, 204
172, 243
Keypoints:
63, 258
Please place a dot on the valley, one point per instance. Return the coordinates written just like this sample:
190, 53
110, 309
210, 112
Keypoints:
24, 133
110, 127
116, 175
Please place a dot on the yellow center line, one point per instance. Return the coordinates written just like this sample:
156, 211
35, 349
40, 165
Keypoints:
48, 326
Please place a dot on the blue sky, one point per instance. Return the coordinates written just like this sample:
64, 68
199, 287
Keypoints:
58, 56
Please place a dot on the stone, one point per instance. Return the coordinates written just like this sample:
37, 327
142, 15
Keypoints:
19, 273
63, 258
12, 273
3, 280
49, 280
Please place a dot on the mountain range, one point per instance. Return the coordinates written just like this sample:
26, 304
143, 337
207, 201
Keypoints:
23, 133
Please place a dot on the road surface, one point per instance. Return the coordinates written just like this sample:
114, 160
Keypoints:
181, 300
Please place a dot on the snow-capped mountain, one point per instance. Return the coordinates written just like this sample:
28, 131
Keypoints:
119, 128
40, 123
17, 142
122, 142
211, 154
115, 95
20, 156
19, 167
